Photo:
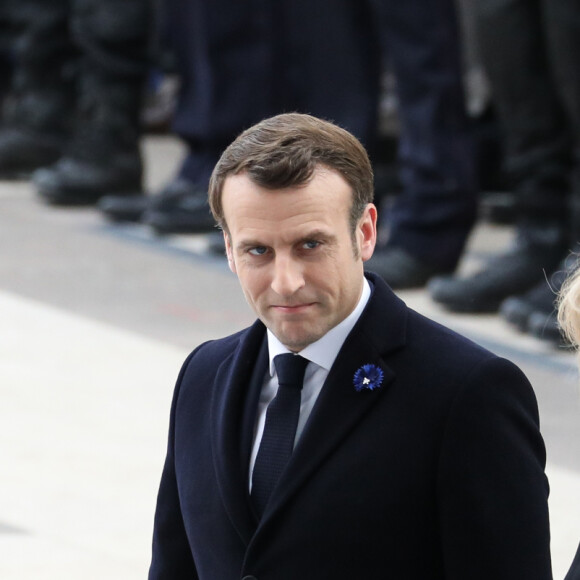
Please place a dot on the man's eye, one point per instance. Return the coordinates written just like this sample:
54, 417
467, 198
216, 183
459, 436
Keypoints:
311, 244
258, 251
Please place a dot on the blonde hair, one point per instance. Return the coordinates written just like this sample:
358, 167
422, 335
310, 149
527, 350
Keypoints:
569, 308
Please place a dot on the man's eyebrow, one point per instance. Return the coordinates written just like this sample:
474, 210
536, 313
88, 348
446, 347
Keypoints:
248, 244
317, 234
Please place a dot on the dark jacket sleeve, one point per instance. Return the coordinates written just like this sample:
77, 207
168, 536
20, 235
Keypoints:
492, 487
172, 558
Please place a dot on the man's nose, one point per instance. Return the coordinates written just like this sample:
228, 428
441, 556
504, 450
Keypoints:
288, 276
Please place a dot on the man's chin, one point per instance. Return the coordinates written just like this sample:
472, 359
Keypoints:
295, 341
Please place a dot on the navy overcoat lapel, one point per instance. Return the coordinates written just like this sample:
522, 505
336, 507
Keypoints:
379, 332
235, 391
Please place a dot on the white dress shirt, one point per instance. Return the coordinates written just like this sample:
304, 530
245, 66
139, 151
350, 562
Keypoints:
321, 355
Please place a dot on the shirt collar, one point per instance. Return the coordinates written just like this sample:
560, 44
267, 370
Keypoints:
325, 349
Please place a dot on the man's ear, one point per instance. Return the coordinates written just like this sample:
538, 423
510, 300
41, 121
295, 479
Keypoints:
367, 232
229, 252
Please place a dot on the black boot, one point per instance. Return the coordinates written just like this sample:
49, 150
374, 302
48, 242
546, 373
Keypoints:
540, 300
124, 208
103, 156
184, 211
180, 207
401, 270
133, 209
537, 249
114, 42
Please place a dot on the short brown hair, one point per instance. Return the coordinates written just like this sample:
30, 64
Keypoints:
284, 151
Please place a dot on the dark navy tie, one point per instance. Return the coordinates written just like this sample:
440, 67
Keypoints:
280, 429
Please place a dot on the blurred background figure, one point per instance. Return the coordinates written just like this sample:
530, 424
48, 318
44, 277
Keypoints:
240, 62
427, 226
74, 100
528, 48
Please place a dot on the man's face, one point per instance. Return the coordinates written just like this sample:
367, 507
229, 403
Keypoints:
294, 254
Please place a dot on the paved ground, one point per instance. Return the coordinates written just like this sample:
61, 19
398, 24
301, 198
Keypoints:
95, 322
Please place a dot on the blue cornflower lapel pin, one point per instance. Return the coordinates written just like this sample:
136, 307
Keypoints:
368, 377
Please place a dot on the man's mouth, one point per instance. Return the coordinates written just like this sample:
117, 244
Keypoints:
293, 308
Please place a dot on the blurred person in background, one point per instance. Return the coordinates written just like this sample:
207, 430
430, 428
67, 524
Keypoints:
74, 101
529, 48
430, 220
240, 62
